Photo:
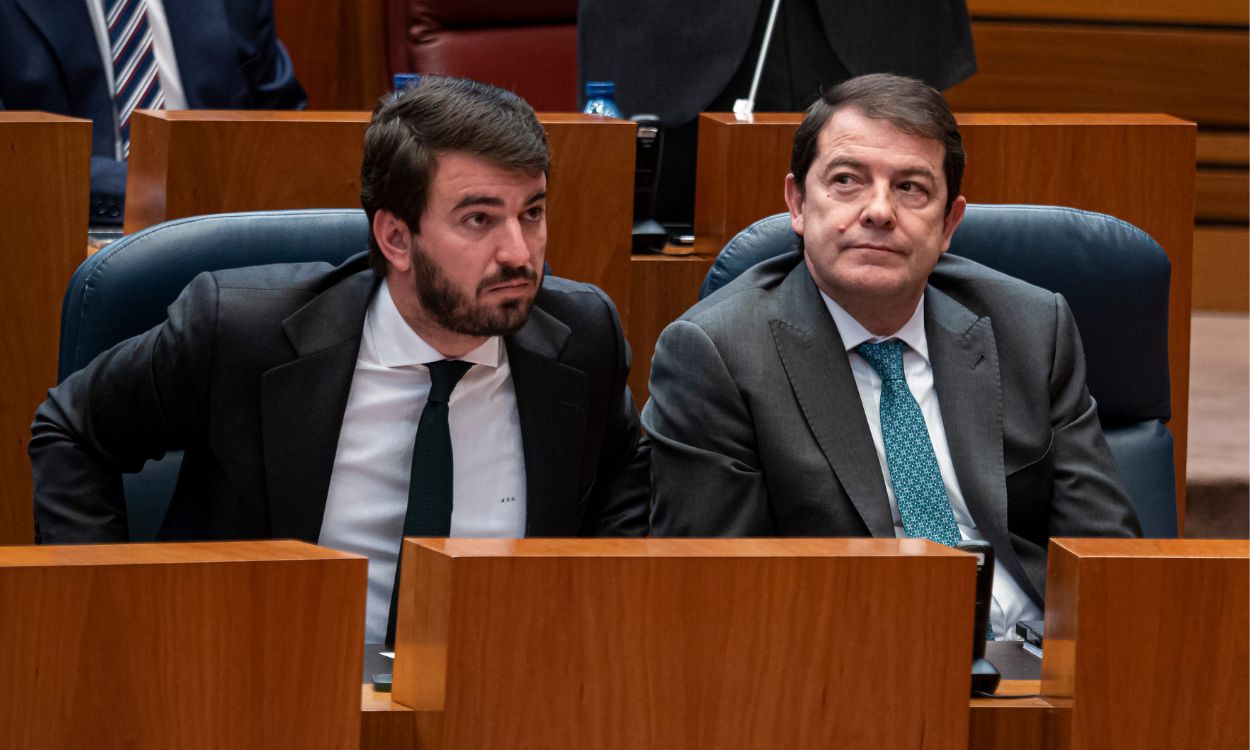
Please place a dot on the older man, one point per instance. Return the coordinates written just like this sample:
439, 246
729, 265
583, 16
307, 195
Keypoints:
437, 385
872, 386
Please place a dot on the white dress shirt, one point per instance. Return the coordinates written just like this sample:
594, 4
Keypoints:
368, 493
1010, 602
162, 48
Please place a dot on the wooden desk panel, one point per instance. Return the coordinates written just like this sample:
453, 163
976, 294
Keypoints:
187, 163
1139, 168
46, 163
226, 645
683, 643
1197, 74
1148, 642
661, 287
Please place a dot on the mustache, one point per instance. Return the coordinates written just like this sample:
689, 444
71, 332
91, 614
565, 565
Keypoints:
508, 273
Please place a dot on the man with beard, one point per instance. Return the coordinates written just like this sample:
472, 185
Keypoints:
512, 384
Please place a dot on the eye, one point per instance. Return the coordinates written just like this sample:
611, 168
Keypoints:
535, 213
475, 220
914, 190
843, 178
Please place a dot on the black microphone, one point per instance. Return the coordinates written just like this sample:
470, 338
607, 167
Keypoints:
985, 675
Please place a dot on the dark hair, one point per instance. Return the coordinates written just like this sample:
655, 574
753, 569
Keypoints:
910, 105
438, 114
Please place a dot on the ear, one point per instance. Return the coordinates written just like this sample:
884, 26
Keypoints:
794, 199
394, 238
953, 217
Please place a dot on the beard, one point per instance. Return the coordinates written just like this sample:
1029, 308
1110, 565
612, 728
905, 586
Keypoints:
452, 310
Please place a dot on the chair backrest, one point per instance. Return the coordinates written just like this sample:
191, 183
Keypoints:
125, 288
529, 48
1114, 277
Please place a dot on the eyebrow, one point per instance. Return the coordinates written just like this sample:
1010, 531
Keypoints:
494, 201
856, 164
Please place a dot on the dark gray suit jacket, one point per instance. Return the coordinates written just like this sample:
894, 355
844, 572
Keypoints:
758, 427
250, 375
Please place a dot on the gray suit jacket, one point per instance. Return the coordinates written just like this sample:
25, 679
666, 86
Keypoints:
758, 428
250, 376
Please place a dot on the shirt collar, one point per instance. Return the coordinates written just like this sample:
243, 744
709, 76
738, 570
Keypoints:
397, 345
853, 333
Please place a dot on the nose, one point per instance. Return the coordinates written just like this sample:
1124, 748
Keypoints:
512, 250
879, 208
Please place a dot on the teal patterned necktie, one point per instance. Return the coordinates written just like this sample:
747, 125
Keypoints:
918, 487
430, 486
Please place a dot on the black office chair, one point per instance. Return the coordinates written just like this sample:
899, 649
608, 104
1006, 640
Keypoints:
125, 288
1114, 277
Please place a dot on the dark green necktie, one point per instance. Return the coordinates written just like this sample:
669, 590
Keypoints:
429, 489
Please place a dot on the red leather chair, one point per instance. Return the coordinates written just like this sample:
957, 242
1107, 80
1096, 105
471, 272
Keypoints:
527, 47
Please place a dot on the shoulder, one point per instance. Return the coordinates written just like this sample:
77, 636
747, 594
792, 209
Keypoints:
759, 294
985, 290
576, 303
275, 289
299, 278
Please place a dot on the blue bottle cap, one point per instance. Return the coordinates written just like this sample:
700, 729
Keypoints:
402, 80
599, 89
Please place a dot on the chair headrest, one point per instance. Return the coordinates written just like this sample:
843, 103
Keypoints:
124, 289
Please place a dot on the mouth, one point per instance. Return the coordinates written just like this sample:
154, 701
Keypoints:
872, 246
513, 286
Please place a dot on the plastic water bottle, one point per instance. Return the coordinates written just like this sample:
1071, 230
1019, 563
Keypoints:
599, 99
401, 81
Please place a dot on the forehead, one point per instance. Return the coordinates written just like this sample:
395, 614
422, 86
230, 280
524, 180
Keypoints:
849, 134
457, 173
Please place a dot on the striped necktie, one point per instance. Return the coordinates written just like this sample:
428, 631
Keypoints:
136, 78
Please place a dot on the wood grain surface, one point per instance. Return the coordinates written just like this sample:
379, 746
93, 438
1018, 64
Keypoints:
227, 645
336, 49
1222, 194
685, 643
1160, 11
1148, 642
1223, 147
1196, 74
1222, 268
660, 287
45, 161
187, 163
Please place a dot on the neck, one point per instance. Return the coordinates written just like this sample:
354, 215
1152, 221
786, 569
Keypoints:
450, 344
877, 317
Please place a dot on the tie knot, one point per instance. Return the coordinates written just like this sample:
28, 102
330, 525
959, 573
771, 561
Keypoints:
444, 374
886, 357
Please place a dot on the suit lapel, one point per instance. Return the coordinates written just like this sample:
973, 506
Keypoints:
815, 362
966, 377
552, 403
302, 405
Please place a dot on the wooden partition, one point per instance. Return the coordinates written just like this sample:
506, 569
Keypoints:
680, 643
186, 163
336, 47
225, 645
45, 160
1148, 643
1136, 167
1188, 59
